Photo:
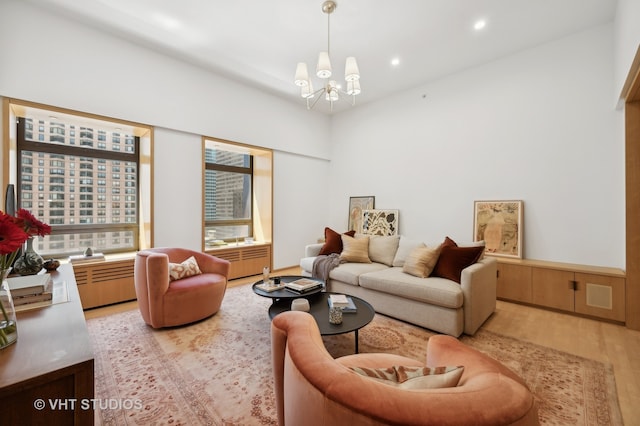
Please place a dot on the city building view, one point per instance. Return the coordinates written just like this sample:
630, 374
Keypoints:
83, 181
228, 206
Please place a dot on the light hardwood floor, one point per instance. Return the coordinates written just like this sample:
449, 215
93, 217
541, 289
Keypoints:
602, 341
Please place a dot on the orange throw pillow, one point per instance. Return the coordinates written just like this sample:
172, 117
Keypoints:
454, 259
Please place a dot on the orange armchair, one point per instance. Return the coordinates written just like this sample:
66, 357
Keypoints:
313, 389
165, 303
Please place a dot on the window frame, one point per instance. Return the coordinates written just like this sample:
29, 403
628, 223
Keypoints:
228, 169
96, 228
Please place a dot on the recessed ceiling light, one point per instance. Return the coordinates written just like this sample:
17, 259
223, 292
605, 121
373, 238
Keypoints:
395, 62
480, 24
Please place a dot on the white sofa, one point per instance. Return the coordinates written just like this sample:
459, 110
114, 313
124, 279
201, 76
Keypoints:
436, 303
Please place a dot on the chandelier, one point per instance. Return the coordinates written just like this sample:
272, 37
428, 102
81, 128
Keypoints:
331, 91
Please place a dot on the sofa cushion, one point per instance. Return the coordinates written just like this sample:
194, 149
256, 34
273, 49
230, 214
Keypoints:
421, 261
350, 272
405, 246
414, 377
355, 249
333, 241
454, 259
382, 249
433, 290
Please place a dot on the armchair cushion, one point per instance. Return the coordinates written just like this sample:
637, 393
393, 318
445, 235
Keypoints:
414, 377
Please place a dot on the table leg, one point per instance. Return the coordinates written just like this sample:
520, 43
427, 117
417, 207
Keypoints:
356, 341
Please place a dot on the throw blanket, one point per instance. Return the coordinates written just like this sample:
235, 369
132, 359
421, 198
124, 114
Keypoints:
323, 264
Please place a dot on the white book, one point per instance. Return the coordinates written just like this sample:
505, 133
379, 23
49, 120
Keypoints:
303, 284
339, 300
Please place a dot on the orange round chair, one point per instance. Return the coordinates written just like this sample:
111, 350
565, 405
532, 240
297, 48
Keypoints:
167, 302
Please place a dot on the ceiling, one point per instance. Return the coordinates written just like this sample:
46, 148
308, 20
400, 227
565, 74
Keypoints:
259, 42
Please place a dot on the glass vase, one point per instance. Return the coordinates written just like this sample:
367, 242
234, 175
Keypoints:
29, 262
8, 322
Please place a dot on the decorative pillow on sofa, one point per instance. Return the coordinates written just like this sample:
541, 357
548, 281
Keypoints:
382, 249
355, 249
188, 268
421, 261
414, 377
454, 259
405, 246
333, 241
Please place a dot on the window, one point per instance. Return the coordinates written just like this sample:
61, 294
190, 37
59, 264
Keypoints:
73, 176
228, 184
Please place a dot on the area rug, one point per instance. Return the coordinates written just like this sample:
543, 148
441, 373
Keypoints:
218, 371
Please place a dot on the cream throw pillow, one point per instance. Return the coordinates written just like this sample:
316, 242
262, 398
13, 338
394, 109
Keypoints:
382, 249
421, 261
355, 249
404, 249
414, 377
188, 268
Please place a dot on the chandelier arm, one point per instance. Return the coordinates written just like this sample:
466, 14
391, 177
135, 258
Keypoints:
346, 95
317, 94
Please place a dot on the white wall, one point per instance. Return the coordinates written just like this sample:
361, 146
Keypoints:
177, 210
53, 60
538, 126
299, 206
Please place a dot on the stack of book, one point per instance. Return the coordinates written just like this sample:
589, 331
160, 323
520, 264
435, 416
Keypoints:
303, 285
270, 286
31, 289
343, 302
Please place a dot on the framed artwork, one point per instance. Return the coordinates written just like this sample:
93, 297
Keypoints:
380, 222
499, 224
357, 205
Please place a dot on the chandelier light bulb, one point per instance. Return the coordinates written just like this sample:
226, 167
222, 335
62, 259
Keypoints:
351, 72
353, 87
324, 65
302, 74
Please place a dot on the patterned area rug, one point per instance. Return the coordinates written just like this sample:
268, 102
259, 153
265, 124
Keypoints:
218, 372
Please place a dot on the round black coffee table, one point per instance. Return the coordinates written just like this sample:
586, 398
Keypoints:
319, 308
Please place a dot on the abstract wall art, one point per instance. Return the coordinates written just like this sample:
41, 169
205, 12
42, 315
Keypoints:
380, 222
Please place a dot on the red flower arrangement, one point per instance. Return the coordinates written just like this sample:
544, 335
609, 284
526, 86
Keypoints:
14, 231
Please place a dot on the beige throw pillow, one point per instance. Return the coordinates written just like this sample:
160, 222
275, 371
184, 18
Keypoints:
355, 249
188, 268
421, 261
382, 249
414, 377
